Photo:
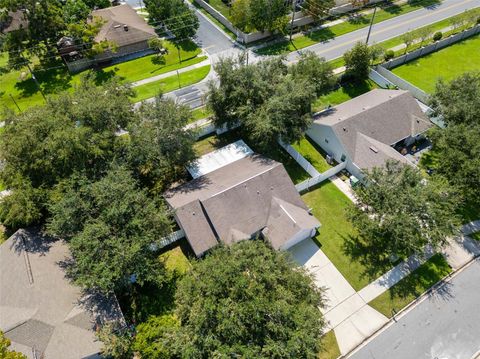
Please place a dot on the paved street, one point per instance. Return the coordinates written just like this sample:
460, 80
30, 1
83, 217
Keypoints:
444, 326
390, 28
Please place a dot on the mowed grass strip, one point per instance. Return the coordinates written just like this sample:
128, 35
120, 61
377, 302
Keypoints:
447, 63
170, 83
343, 93
412, 286
312, 153
330, 349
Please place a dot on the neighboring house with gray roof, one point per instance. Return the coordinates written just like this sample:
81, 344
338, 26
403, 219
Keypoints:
365, 131
248, 197
123, 26
41, 311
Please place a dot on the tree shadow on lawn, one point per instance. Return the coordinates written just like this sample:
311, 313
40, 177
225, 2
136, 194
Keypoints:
371, 256
357, 88
321, 35
51, 81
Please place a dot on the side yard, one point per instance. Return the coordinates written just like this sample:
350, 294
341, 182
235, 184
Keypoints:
425, 71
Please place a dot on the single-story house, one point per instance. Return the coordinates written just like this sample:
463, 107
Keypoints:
123, 26
365, 131
248, 195
42, 313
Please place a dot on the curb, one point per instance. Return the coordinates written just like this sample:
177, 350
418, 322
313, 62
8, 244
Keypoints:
411, 306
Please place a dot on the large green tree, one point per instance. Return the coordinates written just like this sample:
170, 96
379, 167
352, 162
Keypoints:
160, 147
357, 62
265, 97
400, 212
175, 15
318, 9
269, 15
316, 70
458, 101
110, 225
5, 352
248, 301
44, 145
458, 147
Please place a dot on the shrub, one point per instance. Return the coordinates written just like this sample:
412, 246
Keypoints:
389, 54
437, 36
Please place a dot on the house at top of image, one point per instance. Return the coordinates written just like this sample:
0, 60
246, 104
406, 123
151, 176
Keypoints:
371, 129
42, 313
123, 26
236, 195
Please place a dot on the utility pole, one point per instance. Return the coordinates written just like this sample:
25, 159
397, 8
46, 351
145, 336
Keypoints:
294, 6
15, 102
179, 62
371, 24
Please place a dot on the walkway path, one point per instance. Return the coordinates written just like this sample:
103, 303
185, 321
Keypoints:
170, 73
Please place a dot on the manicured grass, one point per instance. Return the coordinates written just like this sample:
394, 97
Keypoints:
475, 236
342, 94
412, 286
330, 349
201, 113
57, 78
447, 63
349, 25
213, 142
338, 239
220, 6
312, 153
175, 260
170, 83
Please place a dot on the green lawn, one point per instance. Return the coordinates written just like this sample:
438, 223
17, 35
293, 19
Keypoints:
220, 6
175, 259
213, 142
312, 153
344, 93
338, 239
57, 79
350, 25
447, 63
475, 236
330, 349
170, 83
412, 286
201, 113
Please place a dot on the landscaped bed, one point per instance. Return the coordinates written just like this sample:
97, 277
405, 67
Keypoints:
213, 142
412, 286
447, 63
337, 237
312, 153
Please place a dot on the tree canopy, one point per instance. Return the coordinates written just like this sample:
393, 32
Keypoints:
248, 300
160, 147
357, 62
400, 212
5, 352
268, 99
175, 15
458, 101
109, 225
318, 9
71, 133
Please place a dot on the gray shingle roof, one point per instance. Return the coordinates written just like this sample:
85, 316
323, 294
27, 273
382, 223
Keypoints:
369, 124
39, 307
115, 18
237, 201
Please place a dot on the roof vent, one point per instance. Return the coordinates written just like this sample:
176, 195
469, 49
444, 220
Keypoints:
117, 26
125, 27
374, 149
345, 129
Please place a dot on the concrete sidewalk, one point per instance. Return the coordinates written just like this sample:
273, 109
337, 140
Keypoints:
346, 312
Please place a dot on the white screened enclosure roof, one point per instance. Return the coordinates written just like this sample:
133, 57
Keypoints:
223, 156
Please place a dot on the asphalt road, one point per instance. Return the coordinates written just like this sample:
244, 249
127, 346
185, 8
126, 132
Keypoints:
387, 29
444, 326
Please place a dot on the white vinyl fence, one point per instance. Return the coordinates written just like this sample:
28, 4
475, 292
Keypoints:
311, 182
171, 238
307, 166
